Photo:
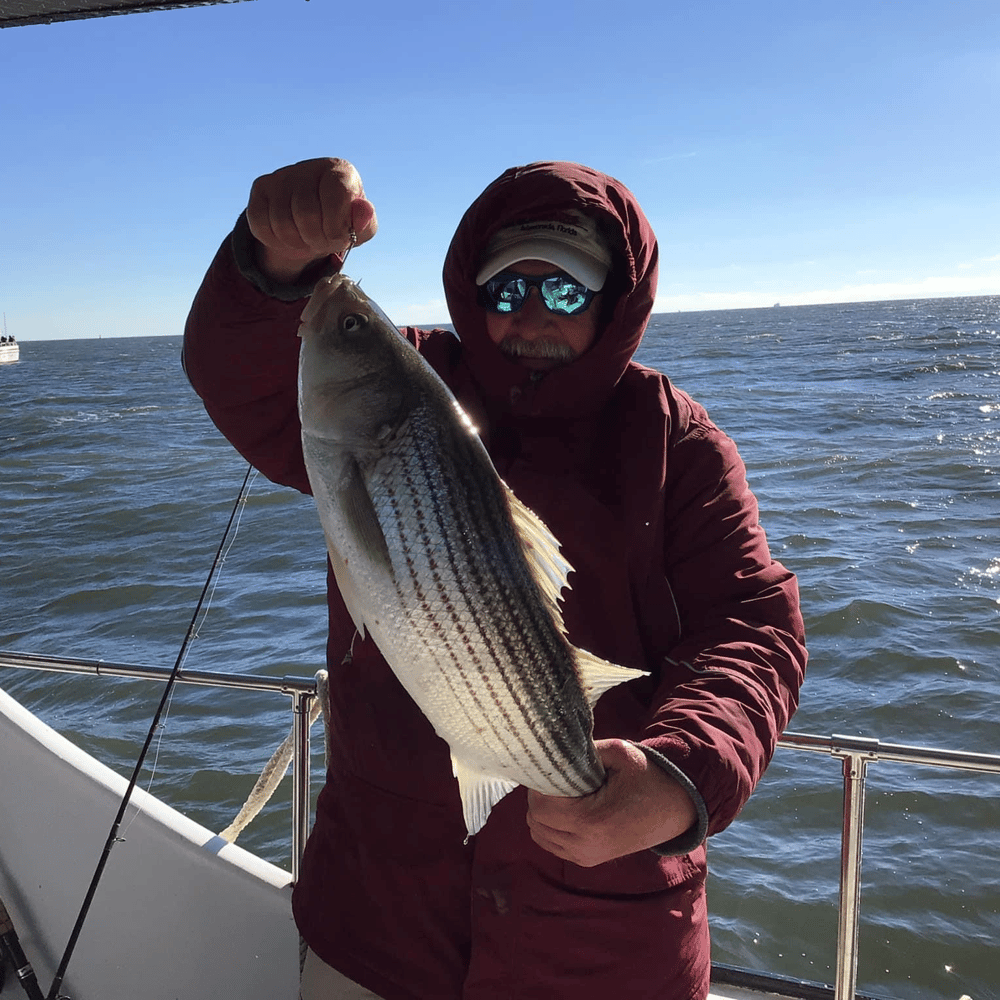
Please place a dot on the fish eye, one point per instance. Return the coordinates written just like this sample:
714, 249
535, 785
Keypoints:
352, 322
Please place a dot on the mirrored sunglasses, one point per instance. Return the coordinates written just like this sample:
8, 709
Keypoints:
561, 294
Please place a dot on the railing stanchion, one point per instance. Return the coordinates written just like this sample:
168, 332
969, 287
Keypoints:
856, 752
301, 702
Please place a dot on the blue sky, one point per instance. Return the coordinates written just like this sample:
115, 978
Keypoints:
784, 151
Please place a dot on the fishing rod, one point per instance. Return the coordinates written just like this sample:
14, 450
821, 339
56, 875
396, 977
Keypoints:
113, 838
11, 950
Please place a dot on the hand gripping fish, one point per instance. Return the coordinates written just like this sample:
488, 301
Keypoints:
456, 581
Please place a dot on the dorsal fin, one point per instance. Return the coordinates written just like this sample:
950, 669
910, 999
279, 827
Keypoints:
550, 571
541, 550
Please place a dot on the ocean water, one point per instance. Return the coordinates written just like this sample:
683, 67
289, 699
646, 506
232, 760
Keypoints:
871, 433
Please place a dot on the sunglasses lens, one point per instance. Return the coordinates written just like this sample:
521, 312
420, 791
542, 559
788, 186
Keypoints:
563, 295
560, 293
506, 294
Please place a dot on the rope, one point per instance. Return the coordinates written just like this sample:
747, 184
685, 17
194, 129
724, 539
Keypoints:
277, 766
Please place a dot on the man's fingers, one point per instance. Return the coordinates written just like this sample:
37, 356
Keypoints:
363, 219
307, 222
307, 209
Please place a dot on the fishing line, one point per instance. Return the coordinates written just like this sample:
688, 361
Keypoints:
215, 577
152, 771
113, 837
236, 530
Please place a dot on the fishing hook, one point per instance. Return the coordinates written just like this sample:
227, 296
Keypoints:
350, 246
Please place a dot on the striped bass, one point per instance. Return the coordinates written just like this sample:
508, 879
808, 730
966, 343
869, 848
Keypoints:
456, 581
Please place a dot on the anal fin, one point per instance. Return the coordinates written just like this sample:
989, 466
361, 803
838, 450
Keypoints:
480, 793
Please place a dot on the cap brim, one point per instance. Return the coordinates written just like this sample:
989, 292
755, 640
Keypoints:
574, 262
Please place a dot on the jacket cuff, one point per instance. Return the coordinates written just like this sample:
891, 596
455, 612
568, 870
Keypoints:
244, 253
696, 834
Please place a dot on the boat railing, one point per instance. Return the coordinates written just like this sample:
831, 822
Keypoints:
855, 752
301, 690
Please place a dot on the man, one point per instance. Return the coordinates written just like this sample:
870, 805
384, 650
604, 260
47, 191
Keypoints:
550, 281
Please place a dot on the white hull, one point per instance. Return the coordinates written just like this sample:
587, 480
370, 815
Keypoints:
9, 352
179, 914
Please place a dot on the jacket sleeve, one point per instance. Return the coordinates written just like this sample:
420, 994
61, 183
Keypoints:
241, 354
730, 684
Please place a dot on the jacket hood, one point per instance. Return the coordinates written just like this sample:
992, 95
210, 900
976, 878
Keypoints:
553, 190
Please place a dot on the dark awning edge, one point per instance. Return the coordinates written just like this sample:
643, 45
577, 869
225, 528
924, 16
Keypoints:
22, 12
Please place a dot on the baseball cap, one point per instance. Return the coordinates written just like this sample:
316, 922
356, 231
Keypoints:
575, 247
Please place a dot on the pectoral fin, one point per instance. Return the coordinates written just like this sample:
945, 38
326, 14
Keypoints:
345, 584
480, 793
362, 520
350, 495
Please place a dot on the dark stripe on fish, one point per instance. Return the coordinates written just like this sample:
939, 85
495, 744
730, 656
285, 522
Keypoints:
527, 632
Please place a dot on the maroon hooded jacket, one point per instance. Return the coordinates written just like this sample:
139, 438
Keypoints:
672, 575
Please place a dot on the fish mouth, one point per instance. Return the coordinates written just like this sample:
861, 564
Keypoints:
326, 290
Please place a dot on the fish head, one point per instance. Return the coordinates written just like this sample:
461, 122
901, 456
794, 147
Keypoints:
353, 384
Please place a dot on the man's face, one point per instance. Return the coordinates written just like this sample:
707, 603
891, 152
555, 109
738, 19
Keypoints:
537, 338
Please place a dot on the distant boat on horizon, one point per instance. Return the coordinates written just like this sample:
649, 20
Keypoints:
10, 349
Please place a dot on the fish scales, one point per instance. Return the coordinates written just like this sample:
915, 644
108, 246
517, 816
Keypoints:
485, 621
455, 580
463, 591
